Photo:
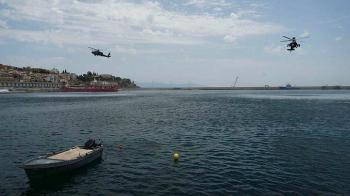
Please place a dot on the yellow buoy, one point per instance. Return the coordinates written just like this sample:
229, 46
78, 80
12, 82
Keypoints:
176, 156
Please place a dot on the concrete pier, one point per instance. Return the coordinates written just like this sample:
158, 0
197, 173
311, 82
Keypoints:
31, 86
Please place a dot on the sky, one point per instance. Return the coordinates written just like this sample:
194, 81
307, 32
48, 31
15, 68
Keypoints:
184, 42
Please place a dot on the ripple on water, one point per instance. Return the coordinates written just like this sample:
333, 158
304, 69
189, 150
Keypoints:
230, 142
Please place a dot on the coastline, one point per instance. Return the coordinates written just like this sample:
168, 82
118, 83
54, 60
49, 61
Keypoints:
252, 88
39, 90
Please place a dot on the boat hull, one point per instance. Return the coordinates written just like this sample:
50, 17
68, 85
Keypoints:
61, 167
4, 90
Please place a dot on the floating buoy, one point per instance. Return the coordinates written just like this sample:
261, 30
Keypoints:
120, 146
176, 156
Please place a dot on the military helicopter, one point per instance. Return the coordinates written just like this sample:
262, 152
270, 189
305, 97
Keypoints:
97, 52
293, 42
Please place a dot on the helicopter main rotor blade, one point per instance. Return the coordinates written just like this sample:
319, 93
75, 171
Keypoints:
287, 37
92, 48
285, 41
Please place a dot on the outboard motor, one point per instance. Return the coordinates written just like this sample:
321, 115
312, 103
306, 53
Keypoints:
90, 144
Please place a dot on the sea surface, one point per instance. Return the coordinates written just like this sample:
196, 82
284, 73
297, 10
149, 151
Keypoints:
230, 142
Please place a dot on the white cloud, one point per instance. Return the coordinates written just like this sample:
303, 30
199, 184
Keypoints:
335, 20
113, 22
44, 62
135, 51
3, 24
274, 49
339, 38
305, 34
217, 9
230, 38
208, 3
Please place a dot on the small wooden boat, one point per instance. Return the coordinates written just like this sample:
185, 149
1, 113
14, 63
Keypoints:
64, 161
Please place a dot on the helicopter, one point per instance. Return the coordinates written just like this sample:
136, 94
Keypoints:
97, 52
293, 42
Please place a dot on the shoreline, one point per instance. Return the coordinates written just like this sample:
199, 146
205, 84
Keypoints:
42, 90
252, 88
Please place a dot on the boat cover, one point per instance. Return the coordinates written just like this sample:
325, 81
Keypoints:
71, 154
42, 161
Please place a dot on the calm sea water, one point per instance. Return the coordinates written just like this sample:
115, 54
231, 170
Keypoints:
230, 142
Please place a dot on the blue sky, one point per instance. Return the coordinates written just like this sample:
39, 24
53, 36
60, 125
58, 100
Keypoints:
203, 42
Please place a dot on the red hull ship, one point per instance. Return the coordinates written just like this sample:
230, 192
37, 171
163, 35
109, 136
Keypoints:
91, 89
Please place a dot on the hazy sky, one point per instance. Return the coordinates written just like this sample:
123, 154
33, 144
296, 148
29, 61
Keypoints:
206, 42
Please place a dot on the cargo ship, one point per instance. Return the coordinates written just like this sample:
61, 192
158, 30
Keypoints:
95, 86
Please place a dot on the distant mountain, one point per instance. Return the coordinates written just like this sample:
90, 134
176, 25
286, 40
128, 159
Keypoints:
166, 85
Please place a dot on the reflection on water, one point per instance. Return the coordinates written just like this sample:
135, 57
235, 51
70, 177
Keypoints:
297, 94
231, 142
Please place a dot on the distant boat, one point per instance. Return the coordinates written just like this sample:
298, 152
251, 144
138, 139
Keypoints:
287, 87
4, 91
64, 161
